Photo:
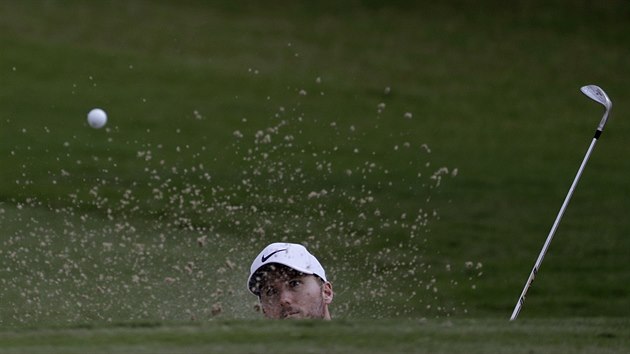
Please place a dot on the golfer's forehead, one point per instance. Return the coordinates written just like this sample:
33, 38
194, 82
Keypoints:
274, 272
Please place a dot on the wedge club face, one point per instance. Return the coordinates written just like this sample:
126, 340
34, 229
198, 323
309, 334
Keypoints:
595, 93
598, 95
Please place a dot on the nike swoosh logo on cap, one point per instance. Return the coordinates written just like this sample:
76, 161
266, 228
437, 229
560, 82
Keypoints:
264, 259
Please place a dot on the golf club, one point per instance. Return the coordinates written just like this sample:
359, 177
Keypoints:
597, 94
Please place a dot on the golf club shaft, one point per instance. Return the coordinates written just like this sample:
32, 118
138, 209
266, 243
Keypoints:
541, 256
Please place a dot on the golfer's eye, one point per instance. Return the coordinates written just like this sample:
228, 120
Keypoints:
269, 292
295, 283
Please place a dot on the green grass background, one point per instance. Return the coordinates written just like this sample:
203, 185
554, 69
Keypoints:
157, 216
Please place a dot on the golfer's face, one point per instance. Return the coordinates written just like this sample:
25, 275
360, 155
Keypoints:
290, 294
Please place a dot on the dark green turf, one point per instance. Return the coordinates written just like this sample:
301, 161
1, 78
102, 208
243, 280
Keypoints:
233, 126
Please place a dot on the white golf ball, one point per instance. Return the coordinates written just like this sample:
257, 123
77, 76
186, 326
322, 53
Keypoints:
97, 118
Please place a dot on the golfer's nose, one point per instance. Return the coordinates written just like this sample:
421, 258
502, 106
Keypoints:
286, 298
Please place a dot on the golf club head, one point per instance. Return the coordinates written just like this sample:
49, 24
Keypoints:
595, 93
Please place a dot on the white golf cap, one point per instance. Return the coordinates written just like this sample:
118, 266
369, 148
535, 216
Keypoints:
292, 255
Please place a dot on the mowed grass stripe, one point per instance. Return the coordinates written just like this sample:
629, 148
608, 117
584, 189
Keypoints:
569, 335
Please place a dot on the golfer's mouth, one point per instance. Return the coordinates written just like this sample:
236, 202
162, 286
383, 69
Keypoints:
292, 315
